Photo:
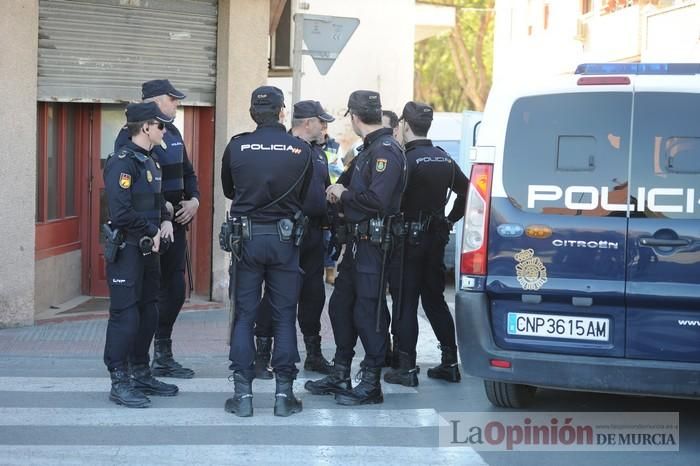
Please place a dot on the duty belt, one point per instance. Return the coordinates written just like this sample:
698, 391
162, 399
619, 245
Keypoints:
242, 228
257, 229
375, 229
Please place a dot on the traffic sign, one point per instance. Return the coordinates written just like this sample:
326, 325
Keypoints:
325, 37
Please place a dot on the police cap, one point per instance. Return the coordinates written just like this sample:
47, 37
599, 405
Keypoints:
158, 87
145, 111
364, 102
266, 98
417, 113
311, 109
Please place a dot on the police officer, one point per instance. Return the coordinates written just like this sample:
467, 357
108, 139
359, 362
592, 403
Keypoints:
181, 191
432, 175
266, 173
309, 121
368, 204
138, 219
391, 120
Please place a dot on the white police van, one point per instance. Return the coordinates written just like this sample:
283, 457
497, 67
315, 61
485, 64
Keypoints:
580, 260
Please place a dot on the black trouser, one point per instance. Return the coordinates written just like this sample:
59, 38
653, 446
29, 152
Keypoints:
133, 307
353, 304
172, 283
265, 259
312, 297
424, 278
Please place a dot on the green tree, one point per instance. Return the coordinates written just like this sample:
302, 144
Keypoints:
453, 71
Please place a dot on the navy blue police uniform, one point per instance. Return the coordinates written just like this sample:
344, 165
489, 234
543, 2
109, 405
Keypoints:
257, 169
132, 180
312, 297
179, 183
432, 176
373, 192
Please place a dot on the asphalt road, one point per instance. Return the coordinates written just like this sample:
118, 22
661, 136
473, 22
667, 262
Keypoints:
54, 410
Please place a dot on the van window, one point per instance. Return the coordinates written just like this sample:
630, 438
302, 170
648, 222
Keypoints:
567, 154
666, 154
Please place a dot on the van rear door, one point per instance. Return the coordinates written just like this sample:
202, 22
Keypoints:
663, 257
558, 223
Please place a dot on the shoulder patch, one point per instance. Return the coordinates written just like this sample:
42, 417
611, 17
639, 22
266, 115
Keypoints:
380, 165
124, 180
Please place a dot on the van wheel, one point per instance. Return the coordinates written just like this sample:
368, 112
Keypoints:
509, 395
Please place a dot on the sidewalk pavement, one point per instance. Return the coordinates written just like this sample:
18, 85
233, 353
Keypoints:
201, 331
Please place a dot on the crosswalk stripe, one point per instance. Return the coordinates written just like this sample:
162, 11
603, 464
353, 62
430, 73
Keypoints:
202, 385
228, 454
111, 417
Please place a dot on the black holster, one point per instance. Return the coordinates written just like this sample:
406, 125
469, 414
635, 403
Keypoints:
114, 241
301, 223
232, 231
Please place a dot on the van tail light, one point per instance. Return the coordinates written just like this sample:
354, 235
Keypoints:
475, 234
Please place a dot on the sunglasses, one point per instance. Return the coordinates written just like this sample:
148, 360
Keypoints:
159, 124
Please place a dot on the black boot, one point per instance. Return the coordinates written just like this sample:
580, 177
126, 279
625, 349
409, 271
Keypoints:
449, 368
163, 364
406, 374
144, 381
286, 403
263, 353
337, 381
124, 393
368, 391
314, 358
241, 403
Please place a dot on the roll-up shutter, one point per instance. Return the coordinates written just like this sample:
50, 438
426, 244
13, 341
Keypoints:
102, 50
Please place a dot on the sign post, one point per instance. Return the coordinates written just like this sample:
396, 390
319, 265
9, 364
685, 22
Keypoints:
325, 37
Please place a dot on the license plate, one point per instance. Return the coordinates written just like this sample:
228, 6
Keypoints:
556, 326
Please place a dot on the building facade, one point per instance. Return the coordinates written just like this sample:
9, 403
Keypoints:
67, 68
534, 38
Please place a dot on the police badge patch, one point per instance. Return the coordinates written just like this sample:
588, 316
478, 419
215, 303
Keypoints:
125, 180
531, 272
149, 176
380, 166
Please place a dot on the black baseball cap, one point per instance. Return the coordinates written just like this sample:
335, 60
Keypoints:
416, 112
311, 109
266, 98
158, 87
363, 102
145, 111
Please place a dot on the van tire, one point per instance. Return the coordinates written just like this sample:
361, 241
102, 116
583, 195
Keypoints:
509, 395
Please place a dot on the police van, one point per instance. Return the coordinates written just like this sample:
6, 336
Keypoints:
580, 261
